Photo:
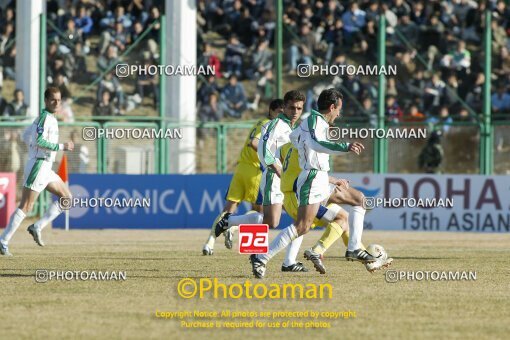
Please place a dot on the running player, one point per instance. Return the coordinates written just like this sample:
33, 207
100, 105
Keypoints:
310, 139
246, 179
42, 140
275, 135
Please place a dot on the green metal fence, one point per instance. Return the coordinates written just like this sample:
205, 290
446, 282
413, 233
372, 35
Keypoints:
218, 146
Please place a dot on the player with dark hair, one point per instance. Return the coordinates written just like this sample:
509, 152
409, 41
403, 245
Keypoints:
42, 140
275, 134
310, 139
245, 182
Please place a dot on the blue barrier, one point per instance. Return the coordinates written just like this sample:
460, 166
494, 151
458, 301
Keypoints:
176, 201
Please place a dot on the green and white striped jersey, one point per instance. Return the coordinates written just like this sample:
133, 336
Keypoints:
310, 139
274, 135
42, 137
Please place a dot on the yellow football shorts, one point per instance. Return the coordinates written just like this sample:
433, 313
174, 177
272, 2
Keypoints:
244, 185
290, 204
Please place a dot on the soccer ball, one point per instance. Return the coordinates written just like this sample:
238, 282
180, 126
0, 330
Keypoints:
381, 255
377, 251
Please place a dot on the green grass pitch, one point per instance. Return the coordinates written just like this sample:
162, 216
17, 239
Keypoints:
155, 261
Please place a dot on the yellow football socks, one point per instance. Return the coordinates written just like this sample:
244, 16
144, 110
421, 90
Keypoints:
331, 234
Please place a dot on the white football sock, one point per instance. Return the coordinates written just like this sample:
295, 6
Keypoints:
249, 218
211, 240
17, 217
356, 227
283, 239
49, 216
292, 251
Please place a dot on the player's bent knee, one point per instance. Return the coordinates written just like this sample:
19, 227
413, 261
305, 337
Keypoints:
332, 212
337, 196
360, 198
342, 216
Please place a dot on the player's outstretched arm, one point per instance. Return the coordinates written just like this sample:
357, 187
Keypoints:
324, 146
356, 147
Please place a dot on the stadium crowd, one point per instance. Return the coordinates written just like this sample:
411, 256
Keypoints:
436, 45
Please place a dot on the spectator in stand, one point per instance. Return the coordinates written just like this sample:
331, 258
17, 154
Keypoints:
110, 59
154, 34
333, 37
6, 46
502, 62
111, 83
474, 98
400, 8
393, 111
117, 37
233, 98
71, 38
80, 63
3, 103
369, 39
8, 52
138, 10
414, 114
353, 85
409, 30
443, 119
147, 84
499, 35
9, 18
415, 88
206, 89
210, 112
232, 14
391, 87
500, 101
266, 86
302, 47
459, 60
104, 107
209, 58
261, 61
451, 94
434, 92
245, 26
18, 107
369, 111
354, 21
406, 68
266, 23
464, 116
83, 22
234, 57
112, 18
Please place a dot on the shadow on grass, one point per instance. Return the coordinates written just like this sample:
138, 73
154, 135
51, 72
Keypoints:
17, 275
398, 258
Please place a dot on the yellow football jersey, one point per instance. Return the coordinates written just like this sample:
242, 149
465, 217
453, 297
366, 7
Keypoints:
291, 169
248, 154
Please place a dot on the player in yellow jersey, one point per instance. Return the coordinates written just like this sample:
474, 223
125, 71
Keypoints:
244, 185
